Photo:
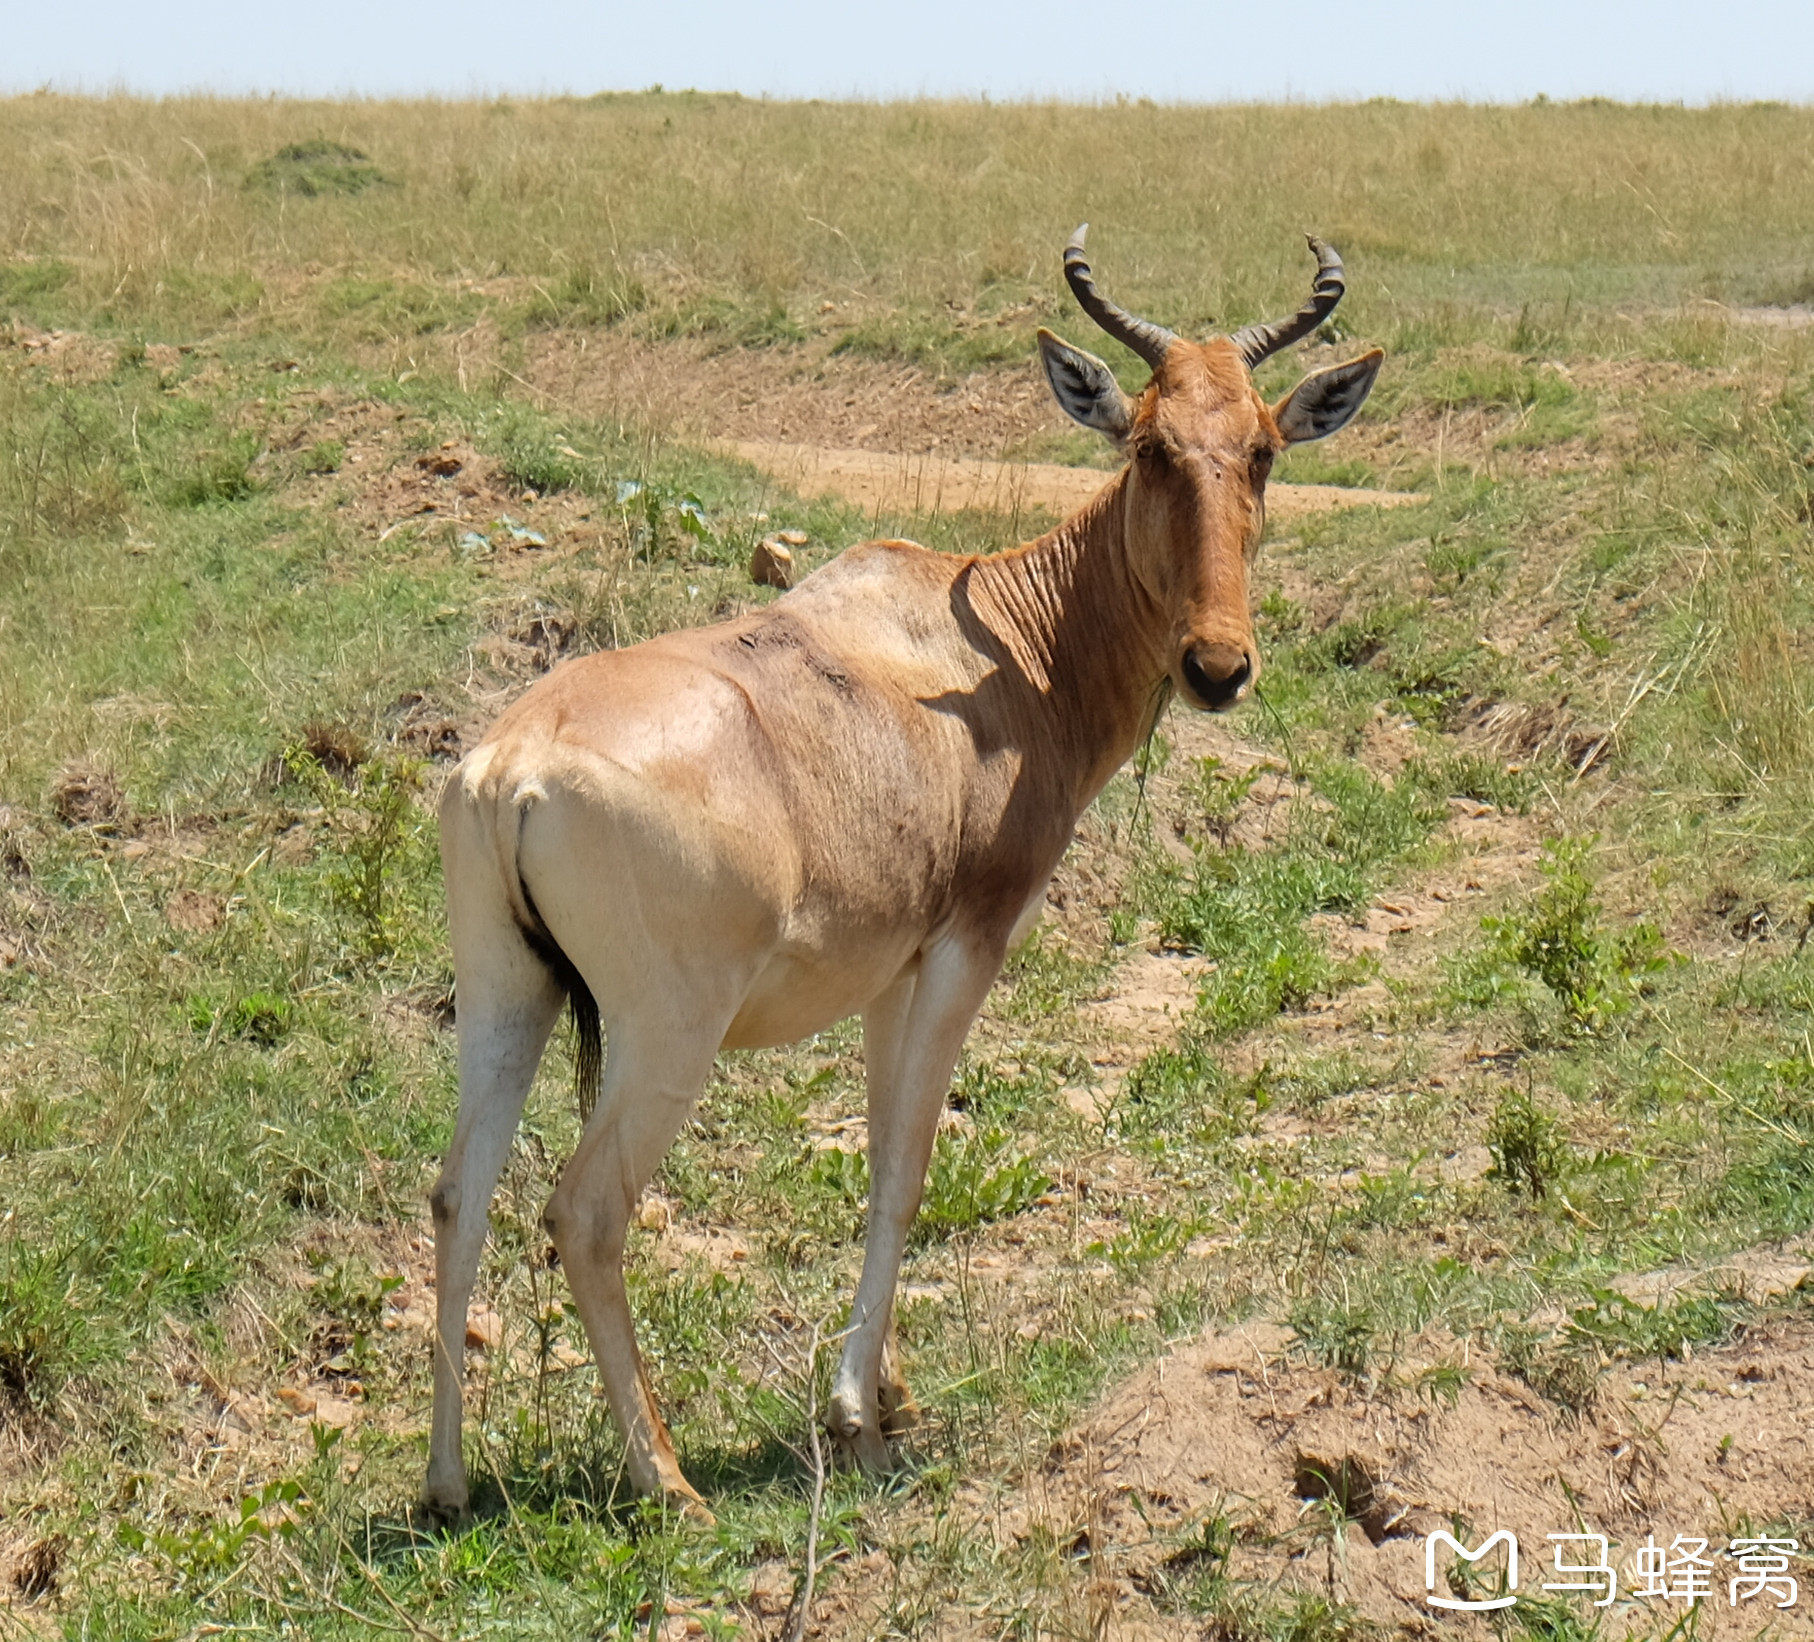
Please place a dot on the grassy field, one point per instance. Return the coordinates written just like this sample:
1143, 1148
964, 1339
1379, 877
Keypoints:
1512, 864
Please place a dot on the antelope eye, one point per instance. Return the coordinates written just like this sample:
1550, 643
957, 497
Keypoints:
1262, 464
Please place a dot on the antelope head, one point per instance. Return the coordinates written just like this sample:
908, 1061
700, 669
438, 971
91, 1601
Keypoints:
1200, 443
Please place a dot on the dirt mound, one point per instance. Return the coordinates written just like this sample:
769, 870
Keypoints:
1235, 1450
85, 793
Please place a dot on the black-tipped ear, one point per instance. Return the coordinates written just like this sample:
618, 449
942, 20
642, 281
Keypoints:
1326, 400
1086, 388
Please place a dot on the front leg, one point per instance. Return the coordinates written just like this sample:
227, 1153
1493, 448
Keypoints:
912, 1036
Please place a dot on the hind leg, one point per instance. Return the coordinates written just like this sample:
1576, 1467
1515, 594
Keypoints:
653, 1074
507, 1003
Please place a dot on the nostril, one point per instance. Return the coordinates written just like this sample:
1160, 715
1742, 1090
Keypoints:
1216, 674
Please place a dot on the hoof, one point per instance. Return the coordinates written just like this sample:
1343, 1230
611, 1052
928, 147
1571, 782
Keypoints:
858, 1440
688, 1507
445, 1514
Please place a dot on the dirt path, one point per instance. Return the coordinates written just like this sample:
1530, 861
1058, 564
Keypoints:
930, 483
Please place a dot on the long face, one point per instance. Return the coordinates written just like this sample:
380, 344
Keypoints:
1200, 449
1200, 444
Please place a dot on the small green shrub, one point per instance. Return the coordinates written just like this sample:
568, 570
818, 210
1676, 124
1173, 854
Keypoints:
1565, 1371
1338, 1331
350, 1299
1169, 1090
1246, 908
1559, 939
1218, 793
1622, 1328
1471, 775
1044, 979
665, 520
1147, 1238
261, 1018
318, 166
371, 824
325, 456
42, 1334
223, 475
582, 296
1530, 1149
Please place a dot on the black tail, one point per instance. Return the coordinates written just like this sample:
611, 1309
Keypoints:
588, 1038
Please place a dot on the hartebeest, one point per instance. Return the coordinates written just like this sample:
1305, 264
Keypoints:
849, 802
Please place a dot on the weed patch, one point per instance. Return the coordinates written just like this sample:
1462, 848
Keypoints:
1246, 909
1560, 941
317, 166
977, 1177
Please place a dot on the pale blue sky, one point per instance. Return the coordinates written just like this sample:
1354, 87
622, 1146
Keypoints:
1176, 50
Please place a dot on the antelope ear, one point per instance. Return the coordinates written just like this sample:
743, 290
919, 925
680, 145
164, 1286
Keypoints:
1326, 400
1086, 388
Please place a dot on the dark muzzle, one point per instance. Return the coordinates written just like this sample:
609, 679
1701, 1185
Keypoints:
1216, 675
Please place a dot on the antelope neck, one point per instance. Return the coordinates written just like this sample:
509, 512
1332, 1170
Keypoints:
1083, 634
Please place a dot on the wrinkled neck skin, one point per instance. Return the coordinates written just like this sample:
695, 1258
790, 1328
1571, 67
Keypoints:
1085, 637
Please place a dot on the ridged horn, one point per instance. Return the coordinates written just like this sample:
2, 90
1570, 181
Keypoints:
1256, 342
1146, 339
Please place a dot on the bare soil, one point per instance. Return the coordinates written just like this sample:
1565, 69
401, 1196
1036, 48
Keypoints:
1238, 1426
1235, 1454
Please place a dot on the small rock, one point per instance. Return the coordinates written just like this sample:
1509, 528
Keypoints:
655, 1215
484, 1328
338, 1412
299, 1403
772, 1589
772, 564
792, 538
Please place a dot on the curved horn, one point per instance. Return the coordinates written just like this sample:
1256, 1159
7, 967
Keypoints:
1258, 341
1146, 339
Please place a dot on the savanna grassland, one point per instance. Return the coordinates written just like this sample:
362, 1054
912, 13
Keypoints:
1443, 1018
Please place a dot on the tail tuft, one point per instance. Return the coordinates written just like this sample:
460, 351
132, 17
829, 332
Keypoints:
588, 1035
588, 1046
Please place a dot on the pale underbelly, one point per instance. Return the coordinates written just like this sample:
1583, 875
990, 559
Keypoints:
796, 996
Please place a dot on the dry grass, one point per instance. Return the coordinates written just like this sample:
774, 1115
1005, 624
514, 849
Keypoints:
158, 208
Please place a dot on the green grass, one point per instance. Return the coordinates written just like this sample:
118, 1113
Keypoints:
225, 1075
